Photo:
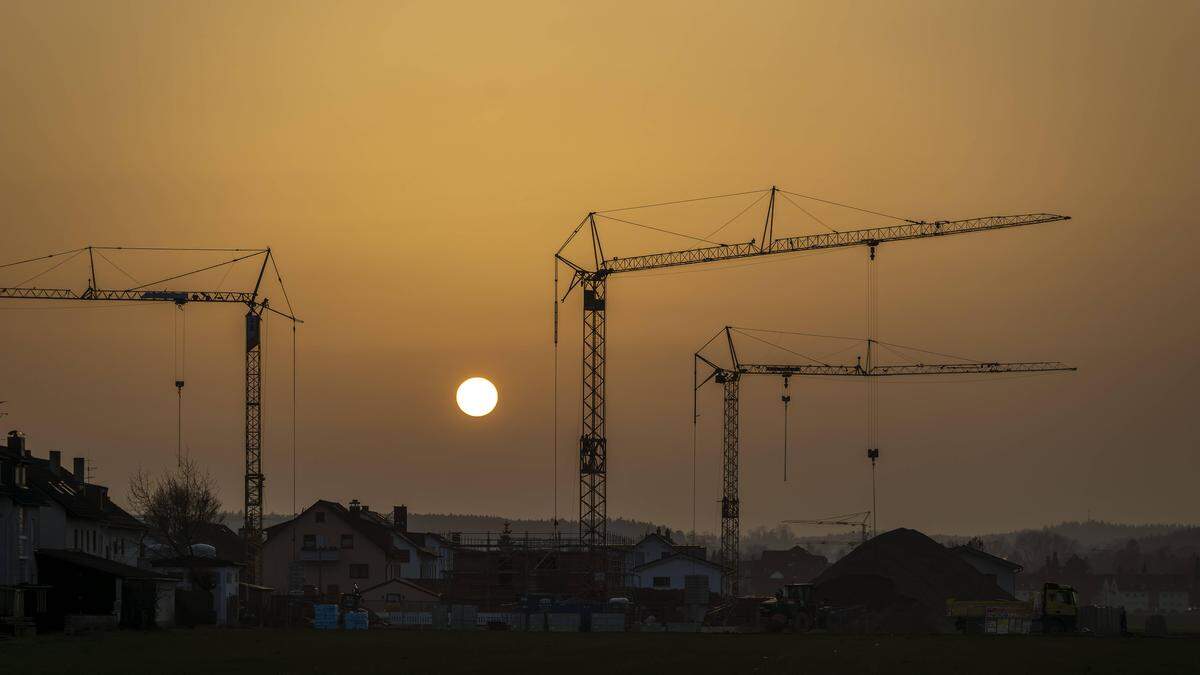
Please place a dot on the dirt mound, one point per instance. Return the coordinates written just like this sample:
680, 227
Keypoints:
902, 579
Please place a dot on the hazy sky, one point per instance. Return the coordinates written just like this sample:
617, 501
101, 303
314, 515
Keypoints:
415, 165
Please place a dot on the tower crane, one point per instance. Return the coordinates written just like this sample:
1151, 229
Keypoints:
592, 277
729, 377
859, 519
167, 290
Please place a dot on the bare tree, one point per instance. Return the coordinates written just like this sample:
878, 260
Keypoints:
176, 505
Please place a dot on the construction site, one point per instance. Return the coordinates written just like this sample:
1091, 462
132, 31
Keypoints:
577, 576
670, 337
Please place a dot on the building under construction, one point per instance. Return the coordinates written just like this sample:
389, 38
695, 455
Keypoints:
497, 570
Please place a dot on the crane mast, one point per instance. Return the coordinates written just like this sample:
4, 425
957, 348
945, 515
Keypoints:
723, 375
257, 306
592, 278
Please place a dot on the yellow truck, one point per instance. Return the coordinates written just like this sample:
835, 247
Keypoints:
1057, 612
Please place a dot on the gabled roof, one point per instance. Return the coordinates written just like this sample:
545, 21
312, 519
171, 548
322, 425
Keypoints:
654, 535
371, 525
229, 545
116, 569
402, 582
679, 556
984, 555
53, 485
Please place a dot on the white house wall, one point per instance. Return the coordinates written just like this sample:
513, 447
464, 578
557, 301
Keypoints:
677, 569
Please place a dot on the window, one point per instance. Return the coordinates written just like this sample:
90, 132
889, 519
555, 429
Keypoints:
319, 516
662, 582
347, 541
404, 556
392, 597
310, 541
359, 571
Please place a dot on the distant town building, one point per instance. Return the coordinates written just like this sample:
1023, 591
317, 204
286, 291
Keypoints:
330, 548
1145, 593
1003, 572
775, 569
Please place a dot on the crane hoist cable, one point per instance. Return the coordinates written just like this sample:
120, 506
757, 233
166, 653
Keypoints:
786, 398
872, 383
180, 371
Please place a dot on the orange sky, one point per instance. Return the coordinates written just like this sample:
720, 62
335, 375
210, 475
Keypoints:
415, 165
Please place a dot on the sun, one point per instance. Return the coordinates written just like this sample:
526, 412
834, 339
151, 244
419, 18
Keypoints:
477, 396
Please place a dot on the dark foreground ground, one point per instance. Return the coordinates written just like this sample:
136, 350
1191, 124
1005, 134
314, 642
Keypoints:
216, 652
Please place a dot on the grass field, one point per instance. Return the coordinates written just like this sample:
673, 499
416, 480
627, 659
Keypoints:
217, 651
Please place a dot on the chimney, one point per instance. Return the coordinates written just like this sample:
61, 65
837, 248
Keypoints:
16, 442
400, 518
80, 469
355, 506
56, 459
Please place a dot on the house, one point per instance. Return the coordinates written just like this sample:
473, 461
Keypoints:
656, 545
229, 545
45, 506
671, 573
775, 569
74, 514
397, 595
1003, 572
214, 581
21, 597
330, 548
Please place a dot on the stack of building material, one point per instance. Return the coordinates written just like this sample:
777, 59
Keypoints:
357, 620
325, 617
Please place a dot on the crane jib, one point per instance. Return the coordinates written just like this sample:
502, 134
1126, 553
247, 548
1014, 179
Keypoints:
865, 237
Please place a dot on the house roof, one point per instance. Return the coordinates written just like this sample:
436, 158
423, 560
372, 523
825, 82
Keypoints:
654, 535
375, 527
678, 556
402, 582
229, 545
194, 561
116, 569
80, 500
984, 555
